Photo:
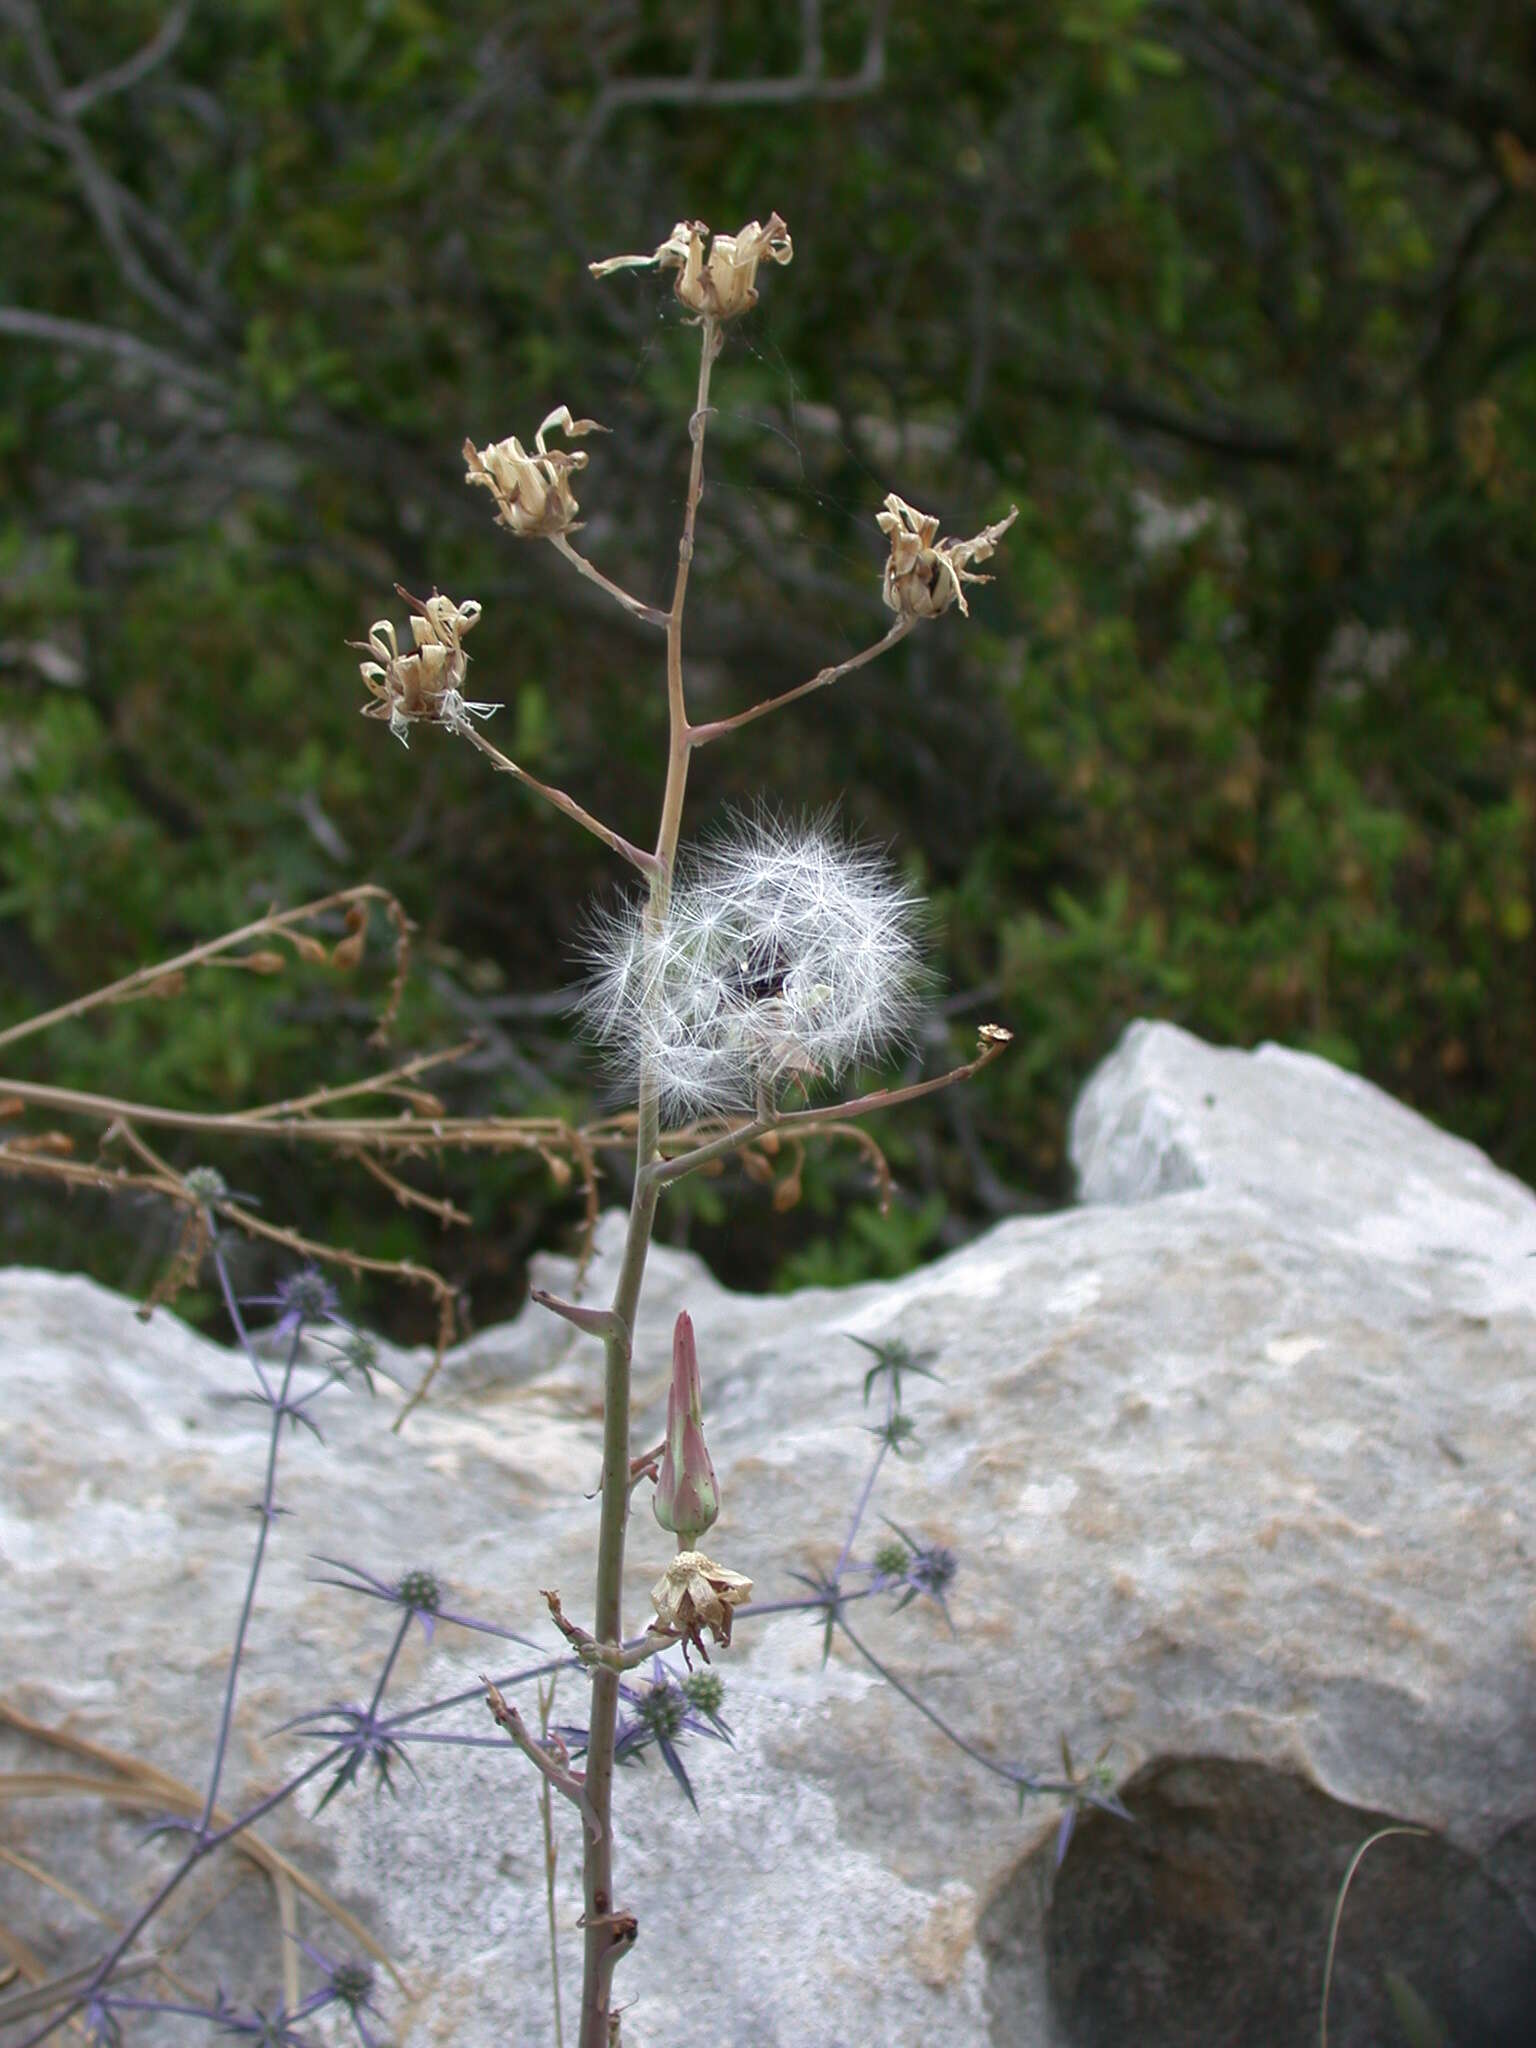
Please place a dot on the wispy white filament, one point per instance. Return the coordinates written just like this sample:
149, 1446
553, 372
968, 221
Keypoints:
785, 954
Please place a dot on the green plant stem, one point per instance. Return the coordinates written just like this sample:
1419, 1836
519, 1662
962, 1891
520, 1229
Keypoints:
607, 1935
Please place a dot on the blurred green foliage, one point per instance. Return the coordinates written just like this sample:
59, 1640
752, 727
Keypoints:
1233, 297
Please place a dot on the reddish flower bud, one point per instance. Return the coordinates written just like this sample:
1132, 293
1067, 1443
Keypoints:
687, 1497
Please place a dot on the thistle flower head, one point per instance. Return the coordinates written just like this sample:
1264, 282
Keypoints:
305, 1299
719, 282
784, 955
206, 1184
924, 575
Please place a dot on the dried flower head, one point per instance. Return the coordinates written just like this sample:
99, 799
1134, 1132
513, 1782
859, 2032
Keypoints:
533, 492
722, 282
428, 682
694, 1593
924, 575
785, 954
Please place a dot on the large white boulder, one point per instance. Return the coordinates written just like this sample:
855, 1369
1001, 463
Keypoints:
1237, 1460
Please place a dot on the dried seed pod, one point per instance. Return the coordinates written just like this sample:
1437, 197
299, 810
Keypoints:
694, 1593
924, 575
533, 492
426, 684
717, 282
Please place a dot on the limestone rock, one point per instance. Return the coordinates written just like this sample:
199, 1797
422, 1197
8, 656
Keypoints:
1237, 1460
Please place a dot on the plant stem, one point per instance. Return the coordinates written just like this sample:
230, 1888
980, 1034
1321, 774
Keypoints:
660, 1170
869, 1484
568, 804
144, 978
266, 1511
652, 614
546, 1811
701, 735
606, 1938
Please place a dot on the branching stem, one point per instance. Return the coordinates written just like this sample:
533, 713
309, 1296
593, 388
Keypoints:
604, 1941
652, 614
506, 766
701, 735
659, 1172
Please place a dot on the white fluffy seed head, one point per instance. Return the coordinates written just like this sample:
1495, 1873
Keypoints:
785, 954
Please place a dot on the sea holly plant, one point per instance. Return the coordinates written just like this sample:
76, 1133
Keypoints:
749, 976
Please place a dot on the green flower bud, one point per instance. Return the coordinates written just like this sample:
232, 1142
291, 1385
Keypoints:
704, 1690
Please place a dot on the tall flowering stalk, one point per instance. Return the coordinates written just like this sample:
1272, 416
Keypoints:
744, 976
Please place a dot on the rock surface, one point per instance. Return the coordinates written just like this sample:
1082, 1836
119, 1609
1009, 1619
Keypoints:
1237, 1459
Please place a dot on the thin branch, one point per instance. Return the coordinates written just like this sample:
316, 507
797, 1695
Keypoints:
372, 1084
881, 1448
646, 862
564, 1781
652, 614
661, 1171
443, 1291
440, 1206
87, 336
701, 735
102, 195
144, 979
547, 1819
1221, 432
645, 1466
122, 77
402, 1133
808, 83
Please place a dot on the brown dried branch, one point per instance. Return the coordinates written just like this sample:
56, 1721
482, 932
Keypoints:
408, 1197
646, 862
564, 1781
661, 1171
701, 735
810, 82
652, 614
135, 1783
145, 979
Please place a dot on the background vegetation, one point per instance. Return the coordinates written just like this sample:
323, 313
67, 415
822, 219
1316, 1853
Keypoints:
1235, 298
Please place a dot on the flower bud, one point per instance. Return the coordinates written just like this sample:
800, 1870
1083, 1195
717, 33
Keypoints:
687, 1496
